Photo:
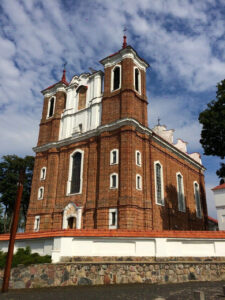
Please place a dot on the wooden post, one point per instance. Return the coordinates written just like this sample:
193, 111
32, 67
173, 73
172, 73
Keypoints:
9, 258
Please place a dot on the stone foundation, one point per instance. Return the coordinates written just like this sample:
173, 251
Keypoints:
128, 270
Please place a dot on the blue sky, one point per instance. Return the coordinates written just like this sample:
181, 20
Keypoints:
182, 40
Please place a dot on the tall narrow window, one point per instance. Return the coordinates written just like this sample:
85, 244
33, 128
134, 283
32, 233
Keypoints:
137, 74
159, 193
36, 223
114, 157
40, 193
180, 193
138, 158
114, 181
76, 173
116, 78
113, 218
138, 182
82, 93
43, 173
51, 107
197, 200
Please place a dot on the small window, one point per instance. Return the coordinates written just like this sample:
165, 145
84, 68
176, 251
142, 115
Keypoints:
37, 223
138, 182
82, 94
40, 193
180, 193
43, 173
137, 75
159, 191
116, 78
112, 218
114, 181
197, 200
51, 106
114, 157
138, 158
80, 128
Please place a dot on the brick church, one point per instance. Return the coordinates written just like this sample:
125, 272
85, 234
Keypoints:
99, 166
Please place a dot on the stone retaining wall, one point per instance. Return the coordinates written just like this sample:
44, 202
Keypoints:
117, 272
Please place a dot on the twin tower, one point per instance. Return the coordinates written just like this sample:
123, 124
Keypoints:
99, 166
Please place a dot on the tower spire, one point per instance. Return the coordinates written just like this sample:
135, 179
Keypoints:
124, 38
64, 73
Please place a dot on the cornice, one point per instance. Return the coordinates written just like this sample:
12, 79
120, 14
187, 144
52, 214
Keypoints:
113, 126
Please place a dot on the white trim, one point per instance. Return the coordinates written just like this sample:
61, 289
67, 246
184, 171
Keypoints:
111, 181
41, 194
182, 192
136, 160
43, 169
77, 214
138, 187
49, 101
113, 210
112, 77
162, 183
70, 172
197, 215
139, 82
37, 221
117, 157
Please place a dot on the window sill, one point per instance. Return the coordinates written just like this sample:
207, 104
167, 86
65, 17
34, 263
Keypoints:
160, 204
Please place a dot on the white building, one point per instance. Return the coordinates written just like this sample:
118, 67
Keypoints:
219, 197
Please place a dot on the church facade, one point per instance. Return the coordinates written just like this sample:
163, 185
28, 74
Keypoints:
99, 166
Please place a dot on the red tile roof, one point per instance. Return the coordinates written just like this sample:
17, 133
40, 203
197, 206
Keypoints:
118, 233
219, 187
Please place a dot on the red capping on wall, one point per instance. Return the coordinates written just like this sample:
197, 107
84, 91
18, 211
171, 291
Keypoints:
219, 187
118, 233
213, 220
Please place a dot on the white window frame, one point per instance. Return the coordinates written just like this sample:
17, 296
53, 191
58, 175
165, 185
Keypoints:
136, 158
117, 157
45, 169
49, 101
162, 184
70, 172
137, 187
41, 196
183, 197
37, 221
139, 83
111, 211
197, 215
112, 78
111, 181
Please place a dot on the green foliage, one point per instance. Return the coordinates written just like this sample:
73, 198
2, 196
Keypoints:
24, 257
213, 127
10, 167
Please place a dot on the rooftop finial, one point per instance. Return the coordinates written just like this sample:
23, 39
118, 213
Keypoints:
124, 37
64, 72
158, 122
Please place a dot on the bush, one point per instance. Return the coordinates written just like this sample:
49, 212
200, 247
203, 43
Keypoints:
24, 257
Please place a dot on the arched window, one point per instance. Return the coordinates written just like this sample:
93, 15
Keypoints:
114, 157
138, 158
159, 191
43, 173
114, 181
197, 200
138, 182
51, 106
76, 173
37, 223
82, 93
137, 80
113, 218
180, 193
116, 78
41, 193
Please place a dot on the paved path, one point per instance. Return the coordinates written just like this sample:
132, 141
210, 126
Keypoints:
181, 291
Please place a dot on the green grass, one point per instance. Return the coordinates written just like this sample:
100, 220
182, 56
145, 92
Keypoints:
24, 257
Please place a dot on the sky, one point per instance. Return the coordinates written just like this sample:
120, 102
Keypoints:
182, 40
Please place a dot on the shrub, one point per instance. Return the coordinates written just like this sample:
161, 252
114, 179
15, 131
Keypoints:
24, 257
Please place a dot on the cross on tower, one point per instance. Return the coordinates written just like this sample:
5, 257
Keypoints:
124, 37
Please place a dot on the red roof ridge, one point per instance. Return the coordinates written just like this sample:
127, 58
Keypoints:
212, 219
219, 187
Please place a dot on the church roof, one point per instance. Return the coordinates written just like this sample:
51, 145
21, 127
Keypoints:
219, 187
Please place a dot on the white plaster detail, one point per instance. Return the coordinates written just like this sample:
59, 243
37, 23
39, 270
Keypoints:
162, 202
219, 198
37, 223
41, 193
114, 157
181, 145
162, 131
70, 172
114, 181
180, 193
43, 173
72, 211
196, 156
113, 218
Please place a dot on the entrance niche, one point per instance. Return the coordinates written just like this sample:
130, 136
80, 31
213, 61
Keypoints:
72, 217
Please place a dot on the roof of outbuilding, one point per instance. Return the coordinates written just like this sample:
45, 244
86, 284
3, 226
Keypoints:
219, 187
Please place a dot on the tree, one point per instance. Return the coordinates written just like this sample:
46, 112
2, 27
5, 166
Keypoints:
10, 167
213, 130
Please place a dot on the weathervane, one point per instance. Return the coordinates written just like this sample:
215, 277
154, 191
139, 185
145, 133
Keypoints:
64, 65
158, 121
124, 37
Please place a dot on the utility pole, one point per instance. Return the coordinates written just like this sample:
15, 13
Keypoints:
13, 231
